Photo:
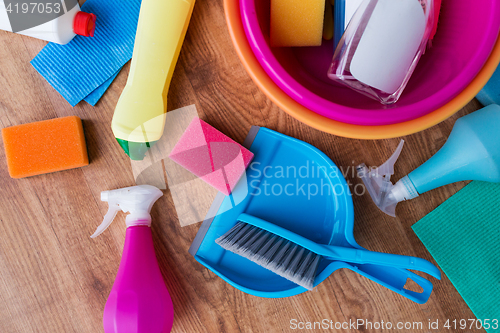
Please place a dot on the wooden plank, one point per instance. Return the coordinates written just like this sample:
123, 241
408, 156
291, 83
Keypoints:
54, 278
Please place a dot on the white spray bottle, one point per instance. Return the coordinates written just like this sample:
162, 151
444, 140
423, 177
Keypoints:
139, 301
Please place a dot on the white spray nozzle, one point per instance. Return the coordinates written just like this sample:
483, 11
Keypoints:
378, 182
105, 196
137, 200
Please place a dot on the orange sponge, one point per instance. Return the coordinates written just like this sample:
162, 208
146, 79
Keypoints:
45, 146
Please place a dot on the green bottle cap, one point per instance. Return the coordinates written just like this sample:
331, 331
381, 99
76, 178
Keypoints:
135, 150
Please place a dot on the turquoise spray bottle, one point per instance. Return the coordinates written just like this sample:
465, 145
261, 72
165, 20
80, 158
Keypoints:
472, 152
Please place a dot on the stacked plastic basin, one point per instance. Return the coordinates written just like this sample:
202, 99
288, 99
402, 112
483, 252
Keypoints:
464, 55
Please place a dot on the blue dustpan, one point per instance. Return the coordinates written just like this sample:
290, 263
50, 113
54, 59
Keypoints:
295, 186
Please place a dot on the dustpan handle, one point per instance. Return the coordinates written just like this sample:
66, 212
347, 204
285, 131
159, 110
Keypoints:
395, 279
362, 256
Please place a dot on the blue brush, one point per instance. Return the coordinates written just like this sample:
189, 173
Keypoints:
297, 258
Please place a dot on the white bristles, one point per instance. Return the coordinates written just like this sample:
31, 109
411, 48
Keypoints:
272, 252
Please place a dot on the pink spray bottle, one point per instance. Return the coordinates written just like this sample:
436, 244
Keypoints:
139, 301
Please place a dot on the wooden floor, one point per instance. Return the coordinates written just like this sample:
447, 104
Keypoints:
54, 278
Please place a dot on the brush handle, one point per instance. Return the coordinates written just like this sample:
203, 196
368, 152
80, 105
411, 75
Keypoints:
389, 270
358, 256
346, 254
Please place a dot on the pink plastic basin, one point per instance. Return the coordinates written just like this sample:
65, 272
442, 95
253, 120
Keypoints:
466, 35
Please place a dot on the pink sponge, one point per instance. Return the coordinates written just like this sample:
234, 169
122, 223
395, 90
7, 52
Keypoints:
211, 155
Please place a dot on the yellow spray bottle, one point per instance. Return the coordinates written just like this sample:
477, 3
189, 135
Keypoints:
139, 117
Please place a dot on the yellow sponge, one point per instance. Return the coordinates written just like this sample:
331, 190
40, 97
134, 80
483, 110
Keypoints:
297, 22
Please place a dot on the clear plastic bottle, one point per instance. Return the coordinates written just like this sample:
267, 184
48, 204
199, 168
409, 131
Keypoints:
382, 46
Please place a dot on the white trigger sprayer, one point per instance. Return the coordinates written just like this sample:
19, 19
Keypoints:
136, 200
472, 152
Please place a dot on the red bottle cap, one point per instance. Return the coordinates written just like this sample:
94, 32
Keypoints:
84, 24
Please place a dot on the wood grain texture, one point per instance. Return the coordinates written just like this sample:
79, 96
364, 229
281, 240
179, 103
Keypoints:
54, 278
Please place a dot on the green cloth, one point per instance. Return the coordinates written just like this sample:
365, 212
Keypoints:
463, 236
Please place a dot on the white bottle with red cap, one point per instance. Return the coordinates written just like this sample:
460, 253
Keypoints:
57, 22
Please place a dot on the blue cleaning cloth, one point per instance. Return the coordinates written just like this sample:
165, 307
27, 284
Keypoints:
85, 64
96, 95
490, 94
